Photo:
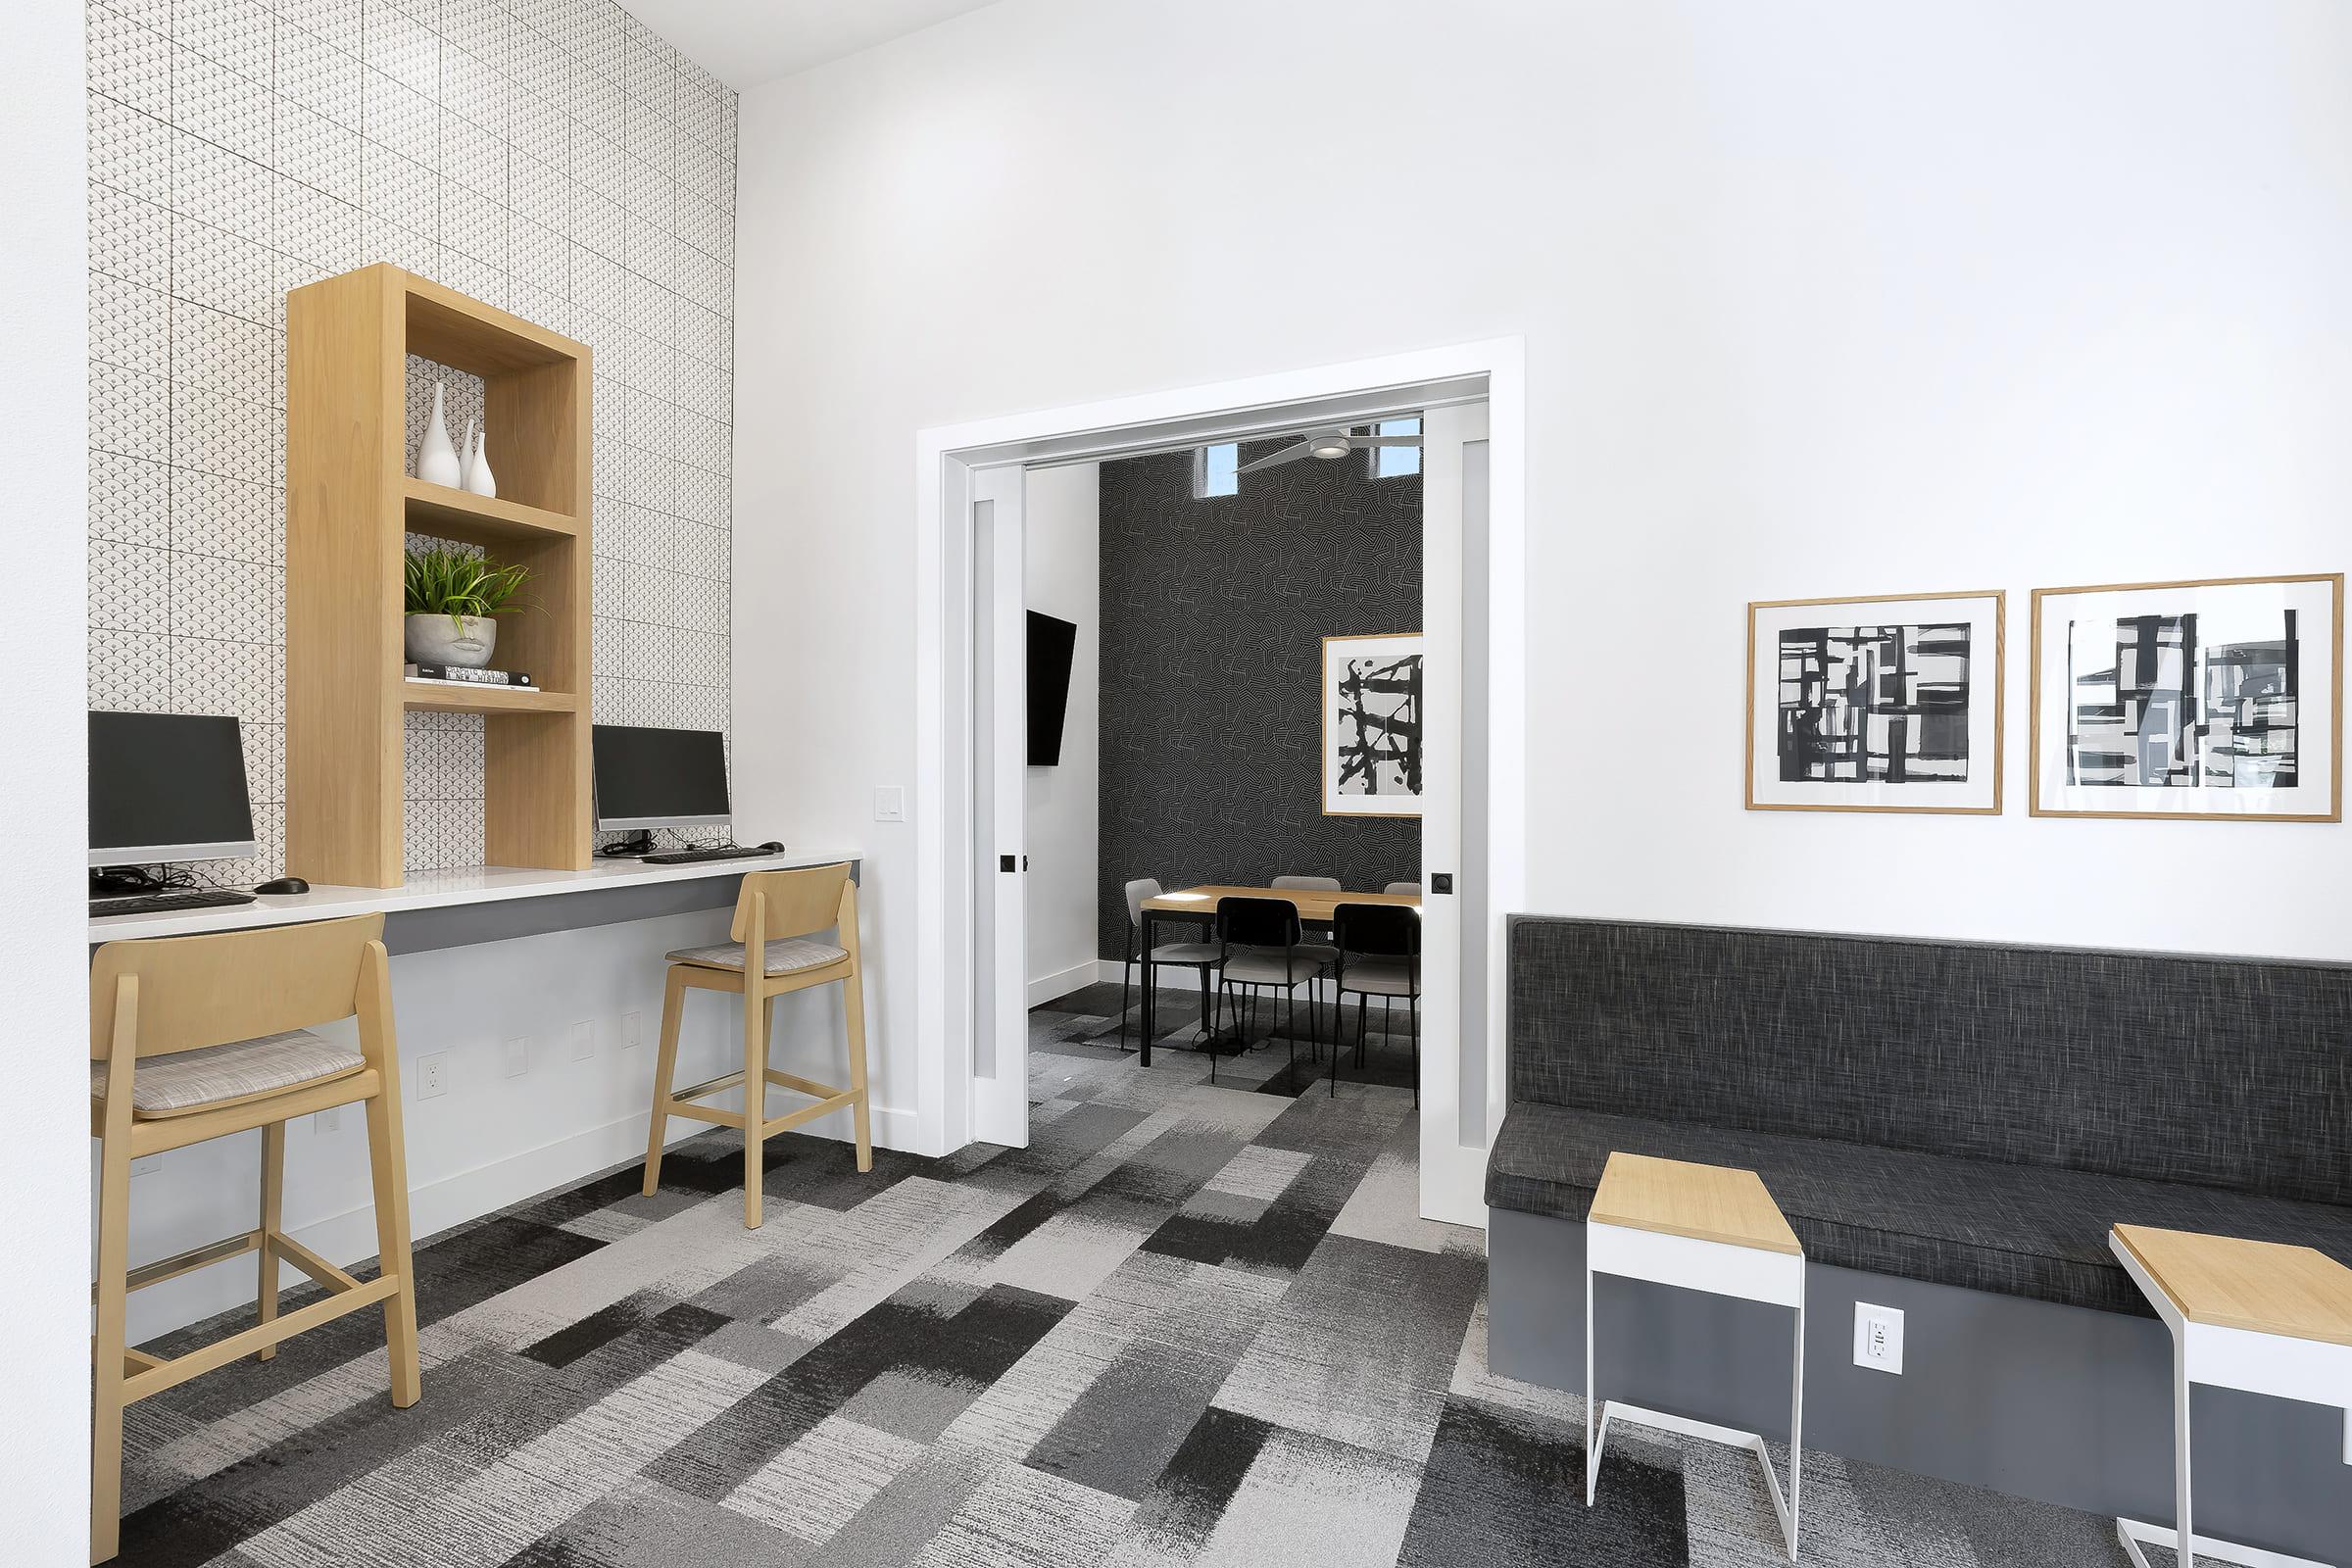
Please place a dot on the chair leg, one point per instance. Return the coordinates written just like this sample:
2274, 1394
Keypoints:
273, 1185
388, 1169
1126, 974
106, 1435
1332, 1090
861, 1117
755, 1101
1412, 1010
665, 1067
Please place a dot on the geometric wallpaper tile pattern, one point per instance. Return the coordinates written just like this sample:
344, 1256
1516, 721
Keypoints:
550, 157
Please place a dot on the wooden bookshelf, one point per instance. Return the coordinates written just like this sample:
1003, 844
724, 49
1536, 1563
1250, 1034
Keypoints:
349, 502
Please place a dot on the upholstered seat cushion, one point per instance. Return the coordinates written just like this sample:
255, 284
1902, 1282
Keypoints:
190, 1080
2023, 1230
786, 956
1379, 977
1187, 952
1258, 968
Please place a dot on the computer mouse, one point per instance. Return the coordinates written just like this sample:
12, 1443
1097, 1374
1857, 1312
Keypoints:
284, 884
771, 847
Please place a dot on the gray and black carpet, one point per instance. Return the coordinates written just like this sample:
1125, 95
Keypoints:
1188, 1324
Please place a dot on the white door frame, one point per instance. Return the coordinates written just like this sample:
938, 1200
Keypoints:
948, 459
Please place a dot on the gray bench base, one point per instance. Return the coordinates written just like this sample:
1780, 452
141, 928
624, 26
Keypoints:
2036, 1400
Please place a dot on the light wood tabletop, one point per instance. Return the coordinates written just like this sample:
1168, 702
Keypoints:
2228, 1283
1315, 906
1705, 1203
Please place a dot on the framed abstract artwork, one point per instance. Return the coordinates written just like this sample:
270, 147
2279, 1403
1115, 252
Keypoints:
1891, 704
2215, 701
1372, 736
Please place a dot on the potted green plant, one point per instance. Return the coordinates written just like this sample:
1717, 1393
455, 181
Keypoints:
451, 596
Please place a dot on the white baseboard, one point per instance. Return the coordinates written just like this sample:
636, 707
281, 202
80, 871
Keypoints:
1062, 982
434, 1206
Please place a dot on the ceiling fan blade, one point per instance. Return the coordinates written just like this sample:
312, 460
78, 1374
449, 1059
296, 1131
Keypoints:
1289, 454
1384, 440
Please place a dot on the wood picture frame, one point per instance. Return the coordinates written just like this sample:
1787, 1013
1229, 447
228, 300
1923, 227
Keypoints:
1337, 771
2321, 590
1977, 793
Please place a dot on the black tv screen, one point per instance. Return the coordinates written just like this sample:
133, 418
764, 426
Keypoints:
1051, 642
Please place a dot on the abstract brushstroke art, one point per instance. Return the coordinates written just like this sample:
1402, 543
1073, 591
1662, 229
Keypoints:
2200, 698
1372, 725
1875, 703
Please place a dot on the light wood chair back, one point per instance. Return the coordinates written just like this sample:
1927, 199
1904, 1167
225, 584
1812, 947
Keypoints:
789, 904
201, 991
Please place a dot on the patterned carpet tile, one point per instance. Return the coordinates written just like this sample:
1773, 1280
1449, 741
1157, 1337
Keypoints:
1191, 1324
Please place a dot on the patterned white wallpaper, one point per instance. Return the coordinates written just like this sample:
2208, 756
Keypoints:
552, 157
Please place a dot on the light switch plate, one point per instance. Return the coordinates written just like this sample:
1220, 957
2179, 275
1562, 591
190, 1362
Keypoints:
890, 804
583, 1040
519, 1056
632, 1030
1879, 1338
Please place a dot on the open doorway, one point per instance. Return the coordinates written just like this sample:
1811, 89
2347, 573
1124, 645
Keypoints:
1266, 630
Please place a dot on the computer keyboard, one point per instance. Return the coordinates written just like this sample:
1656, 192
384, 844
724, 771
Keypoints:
167, 901
689, 856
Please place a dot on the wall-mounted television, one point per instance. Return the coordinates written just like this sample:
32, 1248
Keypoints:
1051, 642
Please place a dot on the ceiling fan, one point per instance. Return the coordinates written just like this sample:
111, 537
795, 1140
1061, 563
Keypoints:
1329, 445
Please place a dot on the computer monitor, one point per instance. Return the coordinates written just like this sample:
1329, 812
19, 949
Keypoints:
648, 778
168, 787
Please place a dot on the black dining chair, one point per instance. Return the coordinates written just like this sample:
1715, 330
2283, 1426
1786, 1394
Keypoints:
1258, 948
1380, 956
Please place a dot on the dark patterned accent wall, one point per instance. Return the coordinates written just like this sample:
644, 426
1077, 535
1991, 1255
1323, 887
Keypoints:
1213, 614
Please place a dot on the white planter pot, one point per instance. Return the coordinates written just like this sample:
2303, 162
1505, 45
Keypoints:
466, 641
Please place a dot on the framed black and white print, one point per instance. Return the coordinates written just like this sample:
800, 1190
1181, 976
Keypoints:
2215, 701
1891, 704
1372, 725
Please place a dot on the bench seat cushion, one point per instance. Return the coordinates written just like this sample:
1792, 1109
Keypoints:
2022, 1230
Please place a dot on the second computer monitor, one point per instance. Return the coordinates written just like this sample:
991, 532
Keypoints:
648, 778
166, 787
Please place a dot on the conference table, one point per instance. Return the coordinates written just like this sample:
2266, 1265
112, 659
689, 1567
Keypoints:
1316, 907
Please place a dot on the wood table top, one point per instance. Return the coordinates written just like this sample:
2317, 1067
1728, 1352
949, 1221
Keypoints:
1705, 1203
1312, 904
2222, 1281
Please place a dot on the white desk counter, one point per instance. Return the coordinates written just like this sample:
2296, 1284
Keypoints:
532, 900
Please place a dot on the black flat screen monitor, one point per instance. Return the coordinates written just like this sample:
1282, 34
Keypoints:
1051, 642
168, 787
659, 779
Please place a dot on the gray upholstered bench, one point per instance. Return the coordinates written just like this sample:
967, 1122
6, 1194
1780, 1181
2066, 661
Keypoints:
1950, 1127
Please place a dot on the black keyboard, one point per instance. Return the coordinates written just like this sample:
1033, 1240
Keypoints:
689, 856
169, 900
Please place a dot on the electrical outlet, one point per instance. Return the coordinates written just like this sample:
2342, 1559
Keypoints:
327, 1120
433, 1075
519, 1056
890, 804
1879, 1338
632, 1030
583, 1040
145, 1163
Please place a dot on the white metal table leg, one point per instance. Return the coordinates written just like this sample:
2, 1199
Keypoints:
1592, 1393
1797, 1420
2180, 1522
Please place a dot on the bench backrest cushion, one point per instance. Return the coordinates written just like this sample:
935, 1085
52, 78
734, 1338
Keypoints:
2225, 1072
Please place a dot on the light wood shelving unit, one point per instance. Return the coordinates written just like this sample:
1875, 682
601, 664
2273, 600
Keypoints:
349, 502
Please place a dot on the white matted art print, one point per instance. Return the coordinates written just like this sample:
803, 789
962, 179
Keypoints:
2220, 700
1888, 704
1372, 725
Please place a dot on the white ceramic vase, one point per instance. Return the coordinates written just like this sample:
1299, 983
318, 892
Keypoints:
436, 458
466, 641
478, 477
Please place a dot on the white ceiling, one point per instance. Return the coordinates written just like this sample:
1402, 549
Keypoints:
746, 43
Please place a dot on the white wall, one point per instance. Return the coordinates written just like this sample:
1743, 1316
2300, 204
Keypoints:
1063, 573
44, 1191
1818, 299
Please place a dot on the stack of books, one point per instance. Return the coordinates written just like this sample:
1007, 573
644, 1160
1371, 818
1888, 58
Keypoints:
460, 675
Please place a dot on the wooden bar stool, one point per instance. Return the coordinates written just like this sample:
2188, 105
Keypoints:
194, 1038
778, 913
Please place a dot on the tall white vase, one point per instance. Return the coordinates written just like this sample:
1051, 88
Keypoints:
466, 458
478, 477
437, 459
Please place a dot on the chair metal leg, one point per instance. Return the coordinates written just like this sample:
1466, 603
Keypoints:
1126, 972
1413, 1008
1331, 1093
